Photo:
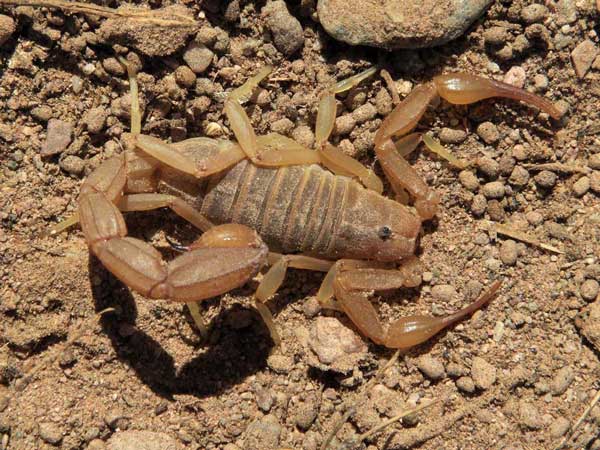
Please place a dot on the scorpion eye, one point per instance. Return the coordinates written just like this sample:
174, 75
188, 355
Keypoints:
384, 232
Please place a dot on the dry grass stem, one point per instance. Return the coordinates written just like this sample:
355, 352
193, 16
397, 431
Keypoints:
148, 16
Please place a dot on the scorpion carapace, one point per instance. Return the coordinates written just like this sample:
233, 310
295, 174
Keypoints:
317, 208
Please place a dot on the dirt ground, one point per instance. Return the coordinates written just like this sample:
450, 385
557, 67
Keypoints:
516, 375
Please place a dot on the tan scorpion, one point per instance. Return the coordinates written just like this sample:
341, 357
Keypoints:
267, 200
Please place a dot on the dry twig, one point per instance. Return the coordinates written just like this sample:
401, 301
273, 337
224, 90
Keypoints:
149, 16
579, 421
520, 236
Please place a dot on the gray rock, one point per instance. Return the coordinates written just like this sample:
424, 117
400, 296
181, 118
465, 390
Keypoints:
263, 434
483, 373
398, 24
529, 415
95, 119
589, 290
198, 57
546, 179
288, 35
7, 28
50, 433
335, 346
433, 368
562, 380
72, 164
142, 440
534, 13
559, 427
58, 137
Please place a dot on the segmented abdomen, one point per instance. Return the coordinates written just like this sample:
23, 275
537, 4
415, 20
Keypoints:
294, 209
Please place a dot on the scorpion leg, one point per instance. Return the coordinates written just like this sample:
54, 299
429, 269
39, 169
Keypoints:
331, 157
273, 279
351, 291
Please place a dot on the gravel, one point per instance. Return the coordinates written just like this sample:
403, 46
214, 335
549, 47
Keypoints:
466, 384
516, 76
583, 56
452, 136
559, 427
288, 35
72, 164
141, 440
493, 189
488, 166
589, 290
546, 179
7, 28
263, 434
95, 119
534, 13
519, 176
509, 252
185, 77
561, 381
595, 181
469, 180
58, 137
306, 412
488, 132
594, 161
496, 36
478, 205
432, 368
50, 433
483, 373
331, 341
581, 187
198, 57
529, 415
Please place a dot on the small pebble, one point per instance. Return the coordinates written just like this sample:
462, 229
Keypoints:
114, 418
96, 444
383, 102
264, 399
58, 137
138, 440
433, 368
595, 181
496, 36
534, 13
516, 76
113, 66
263, 434
530, 415
330, 340
452, 136
483, 373
562, 380
344, 125
282, 126
280, 363
466, 384
519, 176
42, 113
364, 113
509, 252
288, 35
76, 84
589, 290
493, 190
478, 205
488, 132
50, 433
581, 186
468, 180
443, 292
488, 166
546, 179
198, 57
540, 82
559, 427
583, 56
72, 164
7, 28
304, 135
495, 210
306, 413
185, 77
534, 218
95, 119
594, 161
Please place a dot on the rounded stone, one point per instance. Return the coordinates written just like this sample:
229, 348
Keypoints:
198, 57
589, 290
142, 440
468, 180
581, 186
534, 13
452, 136
546, 179
494, 189
594, 161
7, 28
433, 368
394, 24
50, 433
509, 252
488, 132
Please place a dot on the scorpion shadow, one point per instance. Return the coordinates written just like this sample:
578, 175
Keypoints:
219, 365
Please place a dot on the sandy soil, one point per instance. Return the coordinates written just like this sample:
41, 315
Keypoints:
515, 376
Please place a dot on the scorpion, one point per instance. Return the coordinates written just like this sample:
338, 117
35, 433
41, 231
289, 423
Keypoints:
269, 201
